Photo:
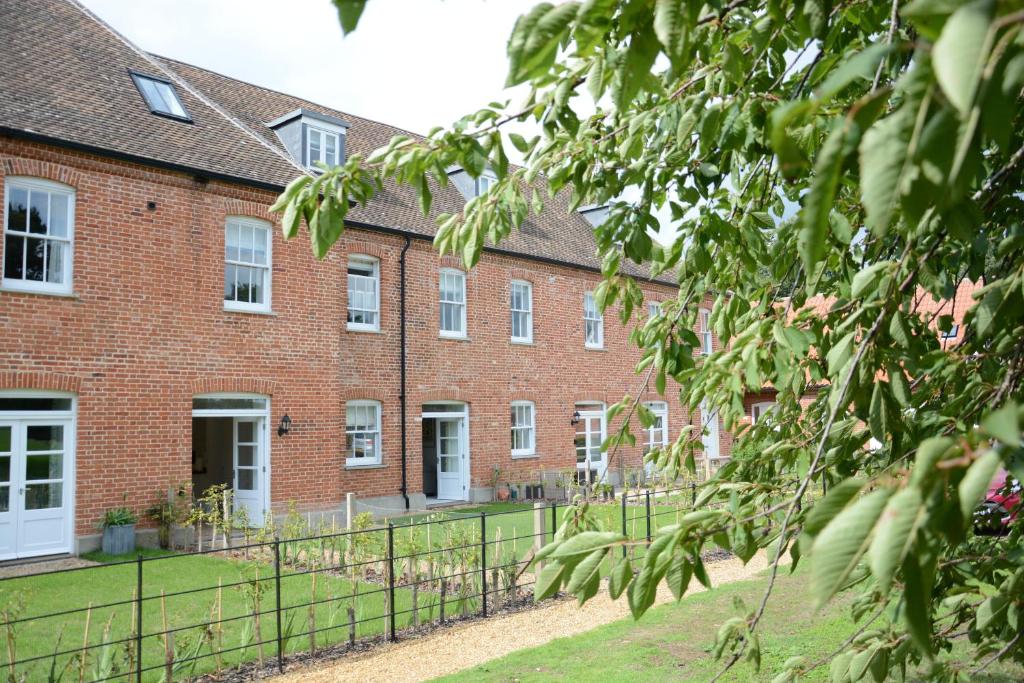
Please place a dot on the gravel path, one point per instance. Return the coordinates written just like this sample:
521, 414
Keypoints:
463, 646
29, 568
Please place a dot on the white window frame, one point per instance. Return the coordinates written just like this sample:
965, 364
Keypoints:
351, 461
660, 409
484, 183
324, 134
591, 315
759, 410
40, 185
530, 427
268, 267
461, 279
374, 263
653, 309
525, 312
704, 329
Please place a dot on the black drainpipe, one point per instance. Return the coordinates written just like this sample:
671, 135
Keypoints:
401, 365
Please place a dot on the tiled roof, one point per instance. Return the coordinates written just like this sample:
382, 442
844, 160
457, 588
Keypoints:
66, 77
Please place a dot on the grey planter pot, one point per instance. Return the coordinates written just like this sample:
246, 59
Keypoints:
118, 540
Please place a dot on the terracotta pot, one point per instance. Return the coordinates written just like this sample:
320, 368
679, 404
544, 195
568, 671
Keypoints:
502, 494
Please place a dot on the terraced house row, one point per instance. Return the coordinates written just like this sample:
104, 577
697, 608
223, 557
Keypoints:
159, 330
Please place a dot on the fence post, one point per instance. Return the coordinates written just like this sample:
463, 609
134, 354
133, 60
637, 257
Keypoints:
138, 620
539, 531
647, 505
391, 579
693, 495
483, 561
625, 532
277, 596
554, 520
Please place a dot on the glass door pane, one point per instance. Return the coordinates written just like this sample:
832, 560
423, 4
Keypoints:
6, 451
44, 466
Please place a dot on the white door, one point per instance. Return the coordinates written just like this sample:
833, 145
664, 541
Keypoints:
590, 434
451, 458
249, 467
709, 436
35, 505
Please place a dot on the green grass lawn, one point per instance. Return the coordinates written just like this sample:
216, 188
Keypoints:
113, 583
671, 642
190, 582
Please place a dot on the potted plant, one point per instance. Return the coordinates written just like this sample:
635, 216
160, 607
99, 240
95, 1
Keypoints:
118, 531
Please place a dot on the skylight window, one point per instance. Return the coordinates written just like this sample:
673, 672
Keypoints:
161, 97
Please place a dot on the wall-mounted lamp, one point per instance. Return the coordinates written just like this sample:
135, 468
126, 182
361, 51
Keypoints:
575, 418
285, 426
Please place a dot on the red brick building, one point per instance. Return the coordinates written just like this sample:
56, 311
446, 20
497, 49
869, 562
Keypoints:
159, 329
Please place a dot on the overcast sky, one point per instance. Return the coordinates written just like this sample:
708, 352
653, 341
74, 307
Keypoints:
411, 63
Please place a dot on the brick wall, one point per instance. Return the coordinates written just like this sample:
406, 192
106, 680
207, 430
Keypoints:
146, 330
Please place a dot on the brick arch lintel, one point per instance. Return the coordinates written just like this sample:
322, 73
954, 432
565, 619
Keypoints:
363, 394
241, 207
42, 169
446, 394
233, 385
367, 249
45, 381
449, 261
522, 274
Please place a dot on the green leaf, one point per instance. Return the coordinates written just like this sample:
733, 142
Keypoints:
878, 413
840, 353
959, 54
917, 607
620, 577
586, 542
678, 575
290, 192
990, 609
535, 38
839, 547
832, 504
975, 483
586, 570
349, 12
929, 453
548, 581
860, 66
899, 330
671, 27
1002, 424
894, 535
814, 219
866, 280
883, 155
642, 592
291, 220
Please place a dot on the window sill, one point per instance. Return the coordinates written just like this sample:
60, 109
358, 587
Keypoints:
38, 292
521, 342
249, 311
364, 330
446, 337
525, 456
594, 348
378, 466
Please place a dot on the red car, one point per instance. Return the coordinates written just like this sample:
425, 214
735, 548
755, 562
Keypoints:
1001, 506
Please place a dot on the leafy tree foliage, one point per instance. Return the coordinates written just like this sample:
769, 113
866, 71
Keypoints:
858, 153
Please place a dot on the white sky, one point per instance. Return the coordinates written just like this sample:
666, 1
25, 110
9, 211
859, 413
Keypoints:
411, 63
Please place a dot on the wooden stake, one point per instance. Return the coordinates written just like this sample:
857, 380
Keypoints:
312, 617
168, 641
220, 622
85, 647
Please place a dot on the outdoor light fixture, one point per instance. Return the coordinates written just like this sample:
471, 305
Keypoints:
285, 426
575, 418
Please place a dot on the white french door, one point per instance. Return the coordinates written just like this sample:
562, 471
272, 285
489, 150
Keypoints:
36, 499
248, 464
451, 458
709, 433
590, 434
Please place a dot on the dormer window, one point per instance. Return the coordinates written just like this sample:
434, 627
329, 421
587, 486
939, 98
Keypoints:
322, 147
161, 97
484, 184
